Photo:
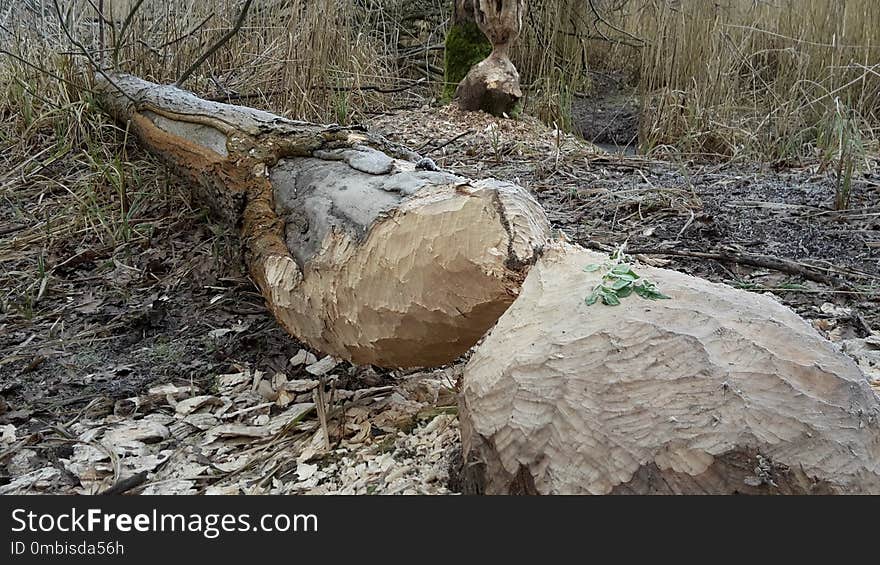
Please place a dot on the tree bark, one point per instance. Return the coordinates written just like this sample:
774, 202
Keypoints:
360, 250
716, 391
492, 84
465, 46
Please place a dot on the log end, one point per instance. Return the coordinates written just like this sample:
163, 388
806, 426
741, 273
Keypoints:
424, 284
715, 390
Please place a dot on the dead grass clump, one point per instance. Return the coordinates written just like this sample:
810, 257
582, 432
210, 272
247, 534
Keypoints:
733, 79
751, 79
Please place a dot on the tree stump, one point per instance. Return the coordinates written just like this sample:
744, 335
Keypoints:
465, 46
715, 391
492, 85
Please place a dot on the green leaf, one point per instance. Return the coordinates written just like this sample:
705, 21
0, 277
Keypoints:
593, 297
624, 277
625, 291
622, 269
610, 298
620, 281
649, 292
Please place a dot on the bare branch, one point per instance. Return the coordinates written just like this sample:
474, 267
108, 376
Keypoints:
204, 57
121, 39
85, 52
601, 18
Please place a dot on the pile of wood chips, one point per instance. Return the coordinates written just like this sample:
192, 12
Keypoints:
253, 433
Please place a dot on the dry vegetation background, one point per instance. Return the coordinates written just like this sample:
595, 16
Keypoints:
776, 79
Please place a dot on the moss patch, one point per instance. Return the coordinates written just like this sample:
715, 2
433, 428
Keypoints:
465, 47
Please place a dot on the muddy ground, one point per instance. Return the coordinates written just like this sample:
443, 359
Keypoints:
101, 345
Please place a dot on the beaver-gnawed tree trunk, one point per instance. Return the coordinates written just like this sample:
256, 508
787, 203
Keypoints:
465, 46
716, 390
360, 250
492, 84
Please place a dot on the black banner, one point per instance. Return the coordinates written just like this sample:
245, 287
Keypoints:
394, 529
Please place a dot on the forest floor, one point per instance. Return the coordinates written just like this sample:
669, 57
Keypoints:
145, 362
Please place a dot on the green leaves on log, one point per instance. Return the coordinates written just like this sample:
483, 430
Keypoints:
620, 281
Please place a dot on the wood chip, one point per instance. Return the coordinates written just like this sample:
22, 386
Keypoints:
302, 357
323, 366
232, 382
236, 430
140, 431
190, 405
300, 385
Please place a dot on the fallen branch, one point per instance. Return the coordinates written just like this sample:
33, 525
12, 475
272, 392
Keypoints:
810, 272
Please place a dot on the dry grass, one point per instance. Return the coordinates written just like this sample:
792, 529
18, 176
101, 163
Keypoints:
756, 79
759, 77
73, 191
734, 78
309, 59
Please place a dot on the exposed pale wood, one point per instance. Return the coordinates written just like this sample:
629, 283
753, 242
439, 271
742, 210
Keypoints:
714, 391
492, 84
359, 251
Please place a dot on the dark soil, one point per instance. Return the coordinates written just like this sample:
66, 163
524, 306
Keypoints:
123, 329
657, 207
609, 120
609, 114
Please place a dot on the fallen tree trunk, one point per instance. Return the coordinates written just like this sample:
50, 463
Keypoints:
359, 249
716, 390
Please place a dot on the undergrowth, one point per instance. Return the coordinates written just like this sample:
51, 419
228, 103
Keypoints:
731, 79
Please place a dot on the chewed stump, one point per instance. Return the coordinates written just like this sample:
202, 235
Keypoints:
715, 390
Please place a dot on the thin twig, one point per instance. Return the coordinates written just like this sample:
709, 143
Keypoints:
204, 57
811, 272
370, 88
85, 53
100, 10
198, 26
442, 145
45, 71
602, 19
121, 39
125, 485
